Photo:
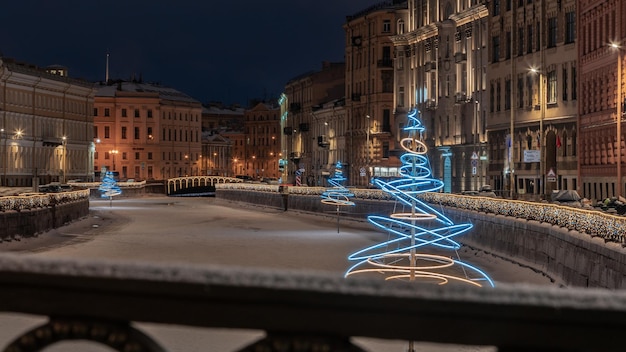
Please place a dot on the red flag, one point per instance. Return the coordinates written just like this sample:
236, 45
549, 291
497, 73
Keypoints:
558, 142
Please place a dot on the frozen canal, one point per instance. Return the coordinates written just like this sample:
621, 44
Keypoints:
211, 231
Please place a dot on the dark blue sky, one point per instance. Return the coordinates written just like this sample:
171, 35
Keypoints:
228, 51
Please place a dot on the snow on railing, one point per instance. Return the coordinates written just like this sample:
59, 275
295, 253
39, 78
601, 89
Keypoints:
40, 200
609, 227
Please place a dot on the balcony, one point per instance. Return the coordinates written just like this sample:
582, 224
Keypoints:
295, 107
385, 63
460, 57
430, 66
460, 97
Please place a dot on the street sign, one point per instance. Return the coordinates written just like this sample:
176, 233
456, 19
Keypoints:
362, 171
473, 170
551, 176
532, 156
474, 156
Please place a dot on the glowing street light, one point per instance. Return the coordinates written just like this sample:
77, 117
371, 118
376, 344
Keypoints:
618, 103
114, 152
64, 160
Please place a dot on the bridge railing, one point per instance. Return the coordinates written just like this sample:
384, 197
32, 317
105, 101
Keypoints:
303, 311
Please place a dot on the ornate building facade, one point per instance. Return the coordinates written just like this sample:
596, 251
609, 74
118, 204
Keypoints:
46, 126
372, 131
303, 96
146, 131
262, 146
440, 70
602, 103
533, 97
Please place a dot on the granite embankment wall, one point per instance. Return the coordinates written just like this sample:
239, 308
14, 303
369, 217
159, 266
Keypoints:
24, 223
573, 258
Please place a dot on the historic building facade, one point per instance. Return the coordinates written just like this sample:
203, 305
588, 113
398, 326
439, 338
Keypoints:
533, 97
303, 96
146, 131
46, 126
601, 137
371, 126
440, 70
262, 146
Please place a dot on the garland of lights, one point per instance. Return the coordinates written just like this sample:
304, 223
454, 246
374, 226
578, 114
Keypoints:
422, 227
337, 195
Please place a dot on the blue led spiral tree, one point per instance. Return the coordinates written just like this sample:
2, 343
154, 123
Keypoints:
413, 236
338, 195
109, 188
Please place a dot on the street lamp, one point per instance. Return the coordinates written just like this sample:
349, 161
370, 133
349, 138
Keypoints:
64, 160
542, 107
4, 157
114, 152
367, 163
618, 102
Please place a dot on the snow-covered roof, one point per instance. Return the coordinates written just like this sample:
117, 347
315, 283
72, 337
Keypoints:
165, 93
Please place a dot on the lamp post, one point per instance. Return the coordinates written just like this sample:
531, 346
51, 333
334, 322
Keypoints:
4, 157
542, 106
618, 102
64, 160
114, 152
367, 149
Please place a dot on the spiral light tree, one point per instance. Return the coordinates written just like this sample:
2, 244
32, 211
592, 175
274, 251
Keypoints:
419, 236
338, 195
109, 188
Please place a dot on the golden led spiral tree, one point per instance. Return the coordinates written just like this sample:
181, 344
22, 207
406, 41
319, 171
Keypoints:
408, 253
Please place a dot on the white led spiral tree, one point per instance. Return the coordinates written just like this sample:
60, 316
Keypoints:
338, 195
413, 235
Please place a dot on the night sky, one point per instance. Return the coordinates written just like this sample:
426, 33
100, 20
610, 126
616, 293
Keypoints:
229, 51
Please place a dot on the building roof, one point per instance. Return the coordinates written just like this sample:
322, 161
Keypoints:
34, 70
389, 4
165, 93
219, 110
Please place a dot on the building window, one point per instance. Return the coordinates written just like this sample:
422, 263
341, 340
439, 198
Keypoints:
552, 32
508, 45
95, 131
570, 27
107, 112
136, 132
124, 156
498, 96
496, 49
400, 96
574, 83
507, 94
123, 132
564, 84
136, 155
492, 98
107, 132
496, 7
149, 133
149, 113
529, 88
520, 41
386, 120
136, 112
385, 150
95, 112
124, 113
386, 26
529, 46
520, 92
149, 155
107, 155
552, 87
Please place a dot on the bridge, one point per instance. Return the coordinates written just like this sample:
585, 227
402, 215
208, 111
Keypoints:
196, 184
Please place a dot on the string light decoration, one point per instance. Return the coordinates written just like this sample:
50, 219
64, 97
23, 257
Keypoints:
338, 195
417, 237
109, 188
